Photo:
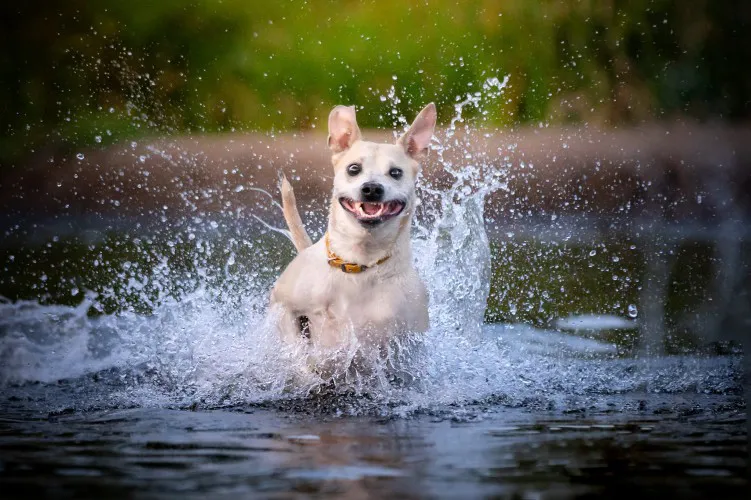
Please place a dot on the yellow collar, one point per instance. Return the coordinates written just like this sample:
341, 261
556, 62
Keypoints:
347, 267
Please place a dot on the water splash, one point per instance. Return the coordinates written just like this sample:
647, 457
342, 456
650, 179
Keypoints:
207, 338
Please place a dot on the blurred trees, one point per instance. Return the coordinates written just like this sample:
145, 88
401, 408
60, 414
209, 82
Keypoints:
81, 72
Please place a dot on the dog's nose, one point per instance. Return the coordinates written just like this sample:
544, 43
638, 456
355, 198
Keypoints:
372, 191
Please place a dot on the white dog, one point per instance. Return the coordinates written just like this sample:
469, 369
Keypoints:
358, 279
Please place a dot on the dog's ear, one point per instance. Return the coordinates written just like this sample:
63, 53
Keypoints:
415, 141
343, 129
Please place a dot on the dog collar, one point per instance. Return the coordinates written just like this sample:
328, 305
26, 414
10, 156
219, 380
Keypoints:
347, 267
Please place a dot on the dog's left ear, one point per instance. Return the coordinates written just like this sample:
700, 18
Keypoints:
415, 141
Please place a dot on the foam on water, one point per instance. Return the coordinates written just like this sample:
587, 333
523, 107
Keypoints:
222, 348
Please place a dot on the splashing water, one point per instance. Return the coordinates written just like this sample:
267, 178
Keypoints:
221, 349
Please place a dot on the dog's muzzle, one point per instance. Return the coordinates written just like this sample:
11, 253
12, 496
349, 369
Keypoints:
371, 213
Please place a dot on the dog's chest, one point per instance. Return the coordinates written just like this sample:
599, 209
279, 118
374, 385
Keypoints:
342, 303
358, 300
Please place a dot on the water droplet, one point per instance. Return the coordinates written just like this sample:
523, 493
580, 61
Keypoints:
593, 253
616, 258
632, 311
80, 156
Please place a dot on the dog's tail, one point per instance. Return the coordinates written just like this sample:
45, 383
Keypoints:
299, 235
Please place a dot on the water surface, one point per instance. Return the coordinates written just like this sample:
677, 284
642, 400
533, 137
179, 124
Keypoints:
137, 358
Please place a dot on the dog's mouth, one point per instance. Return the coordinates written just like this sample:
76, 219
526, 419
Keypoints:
368, 212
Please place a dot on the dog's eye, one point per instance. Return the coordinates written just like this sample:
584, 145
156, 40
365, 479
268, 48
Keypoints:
354, 169
396, 173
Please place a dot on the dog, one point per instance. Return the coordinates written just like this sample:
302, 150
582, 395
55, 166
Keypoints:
359, 279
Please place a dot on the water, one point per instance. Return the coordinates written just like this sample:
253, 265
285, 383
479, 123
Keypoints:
187, 391
667, 446
138, 359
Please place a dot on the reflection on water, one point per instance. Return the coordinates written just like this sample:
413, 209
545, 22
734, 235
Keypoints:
663, 446
176, 392
144, 366
537, 278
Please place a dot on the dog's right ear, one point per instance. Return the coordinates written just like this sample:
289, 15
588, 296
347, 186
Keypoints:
343, 129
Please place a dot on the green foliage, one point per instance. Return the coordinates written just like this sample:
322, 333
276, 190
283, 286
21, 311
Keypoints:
72, 70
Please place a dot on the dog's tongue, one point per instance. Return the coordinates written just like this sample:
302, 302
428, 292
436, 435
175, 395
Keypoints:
371, 208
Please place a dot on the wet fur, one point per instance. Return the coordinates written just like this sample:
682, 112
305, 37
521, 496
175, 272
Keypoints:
326, 307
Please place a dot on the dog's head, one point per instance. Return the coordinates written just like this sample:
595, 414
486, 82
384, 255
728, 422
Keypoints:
374, 183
